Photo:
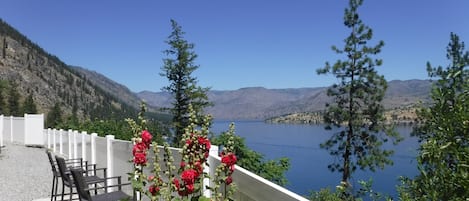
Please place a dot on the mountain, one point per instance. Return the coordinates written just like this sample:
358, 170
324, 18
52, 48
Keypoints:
50, 81
109, 86
259, 103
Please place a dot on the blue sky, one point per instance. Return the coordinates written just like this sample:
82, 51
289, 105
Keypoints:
243, 43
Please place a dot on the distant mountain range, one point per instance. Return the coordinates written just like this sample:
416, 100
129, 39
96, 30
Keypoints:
259, 103
91, 94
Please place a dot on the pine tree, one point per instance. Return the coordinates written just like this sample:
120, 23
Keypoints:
178, 69
3, 109
29, 107
444, 152
13, 101
54, 117
357, 112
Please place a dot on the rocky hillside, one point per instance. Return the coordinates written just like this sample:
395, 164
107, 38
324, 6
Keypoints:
261, 103
51, 81
109, 86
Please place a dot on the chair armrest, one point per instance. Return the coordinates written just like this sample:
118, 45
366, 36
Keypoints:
101, 187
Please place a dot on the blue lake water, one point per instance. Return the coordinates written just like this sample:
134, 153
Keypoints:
308, 170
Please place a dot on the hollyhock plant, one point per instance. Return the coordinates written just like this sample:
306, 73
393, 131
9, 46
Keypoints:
224, 187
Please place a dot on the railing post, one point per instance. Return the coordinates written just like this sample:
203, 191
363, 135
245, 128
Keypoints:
210, 170
93, 148
70, 143
54, 132
83, 145
75, 144
11, 129
109, 160
49, 132
1, 131
61, 141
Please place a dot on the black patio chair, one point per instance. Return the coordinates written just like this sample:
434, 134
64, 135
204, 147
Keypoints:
84, 191
56, 174
67, 179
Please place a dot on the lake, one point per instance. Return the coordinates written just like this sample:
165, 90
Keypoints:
308, 170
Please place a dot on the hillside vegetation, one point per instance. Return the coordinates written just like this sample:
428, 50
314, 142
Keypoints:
49, 80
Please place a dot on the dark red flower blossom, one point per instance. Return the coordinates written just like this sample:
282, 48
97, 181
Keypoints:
229, 159
204, 141
154, 189
139, 148
228, 180
140, 158
182, 164
176, 183
189, 176
146, 138
189, 188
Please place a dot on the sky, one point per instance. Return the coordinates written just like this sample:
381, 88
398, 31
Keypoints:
243, 43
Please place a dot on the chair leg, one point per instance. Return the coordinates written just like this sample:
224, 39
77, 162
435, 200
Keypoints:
56, 187
53, 186
63, 189
71, 193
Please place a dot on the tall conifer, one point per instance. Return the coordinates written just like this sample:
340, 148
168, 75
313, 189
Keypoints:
356, 111
178, 69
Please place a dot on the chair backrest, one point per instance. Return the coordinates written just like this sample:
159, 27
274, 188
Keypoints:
62, 170
51, 160
80, 185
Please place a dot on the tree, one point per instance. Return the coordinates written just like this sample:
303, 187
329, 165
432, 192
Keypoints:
443, 159
29, 107
13, 101
357, 112
54, 117
178, 68
273, 170
3, 109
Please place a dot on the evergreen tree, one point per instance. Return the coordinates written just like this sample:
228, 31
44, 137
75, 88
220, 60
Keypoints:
3, 109
13, 101
444, 152
54, 117
29, 107
356, 112
178, 69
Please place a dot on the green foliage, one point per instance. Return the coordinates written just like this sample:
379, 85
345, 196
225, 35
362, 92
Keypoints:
3, 108
273, 170
357, 111
54, 117
365, 191
13, 101
29, 106
443, 159
178, 69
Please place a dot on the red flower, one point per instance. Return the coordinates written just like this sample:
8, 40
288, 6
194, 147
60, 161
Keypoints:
139, 148
229, 159
182, 164
188, 176
228, 180
146, 137
150, 178
176, 183
199, 168
140, 158
189, 188
154, 189
204, 141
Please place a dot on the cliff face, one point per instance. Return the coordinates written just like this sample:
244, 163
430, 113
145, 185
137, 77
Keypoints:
34, 71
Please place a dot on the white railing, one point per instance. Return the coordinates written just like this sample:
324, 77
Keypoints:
25, 130
114, 154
